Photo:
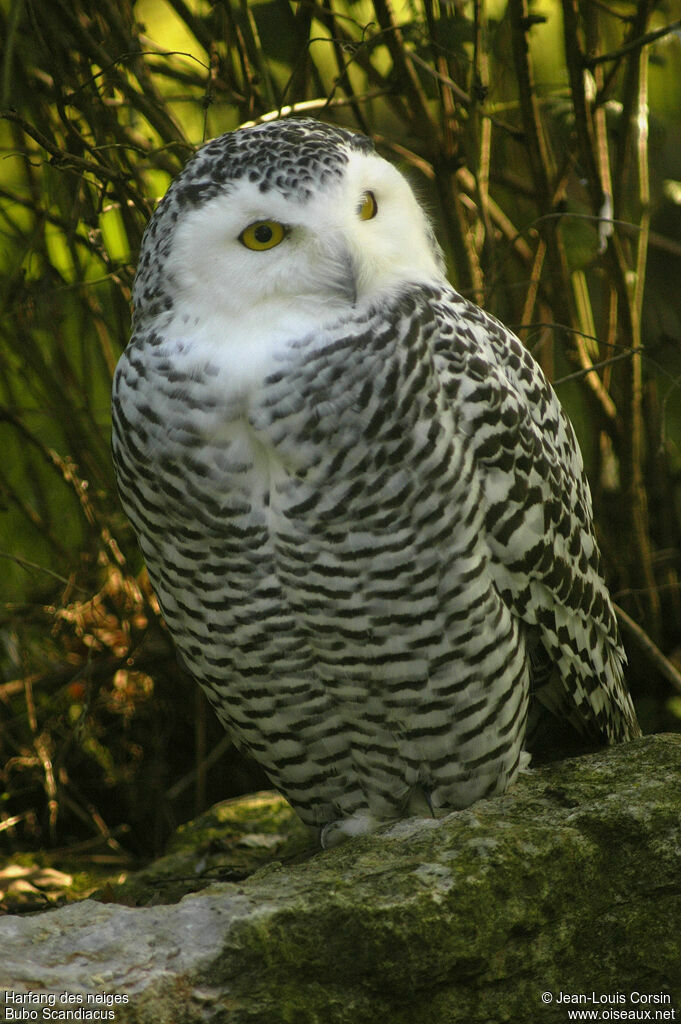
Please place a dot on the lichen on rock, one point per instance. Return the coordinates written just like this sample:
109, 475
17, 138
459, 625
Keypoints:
570, 883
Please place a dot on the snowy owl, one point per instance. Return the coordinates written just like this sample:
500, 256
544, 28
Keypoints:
362, 508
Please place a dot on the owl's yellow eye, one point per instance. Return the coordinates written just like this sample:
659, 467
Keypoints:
368, 207
262, 234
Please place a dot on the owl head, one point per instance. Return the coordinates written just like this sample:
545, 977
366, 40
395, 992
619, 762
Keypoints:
288, 215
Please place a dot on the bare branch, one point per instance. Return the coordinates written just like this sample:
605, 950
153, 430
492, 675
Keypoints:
633, 45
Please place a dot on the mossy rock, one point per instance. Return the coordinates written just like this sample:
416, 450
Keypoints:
566, 888
229, 842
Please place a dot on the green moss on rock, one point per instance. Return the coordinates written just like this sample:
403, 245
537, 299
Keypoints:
570, 883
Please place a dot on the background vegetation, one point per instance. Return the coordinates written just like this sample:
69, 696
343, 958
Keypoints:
544, 138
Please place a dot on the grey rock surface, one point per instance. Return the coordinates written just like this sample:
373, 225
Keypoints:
570, 885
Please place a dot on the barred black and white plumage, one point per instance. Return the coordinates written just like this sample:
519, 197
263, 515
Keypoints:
361, 505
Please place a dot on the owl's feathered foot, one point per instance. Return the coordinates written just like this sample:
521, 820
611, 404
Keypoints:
337, 832
418, 805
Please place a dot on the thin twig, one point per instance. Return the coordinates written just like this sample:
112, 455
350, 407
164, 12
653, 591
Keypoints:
634, 44
422, 122
658, 659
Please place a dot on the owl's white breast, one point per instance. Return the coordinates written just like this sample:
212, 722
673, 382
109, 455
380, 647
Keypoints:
248, 348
